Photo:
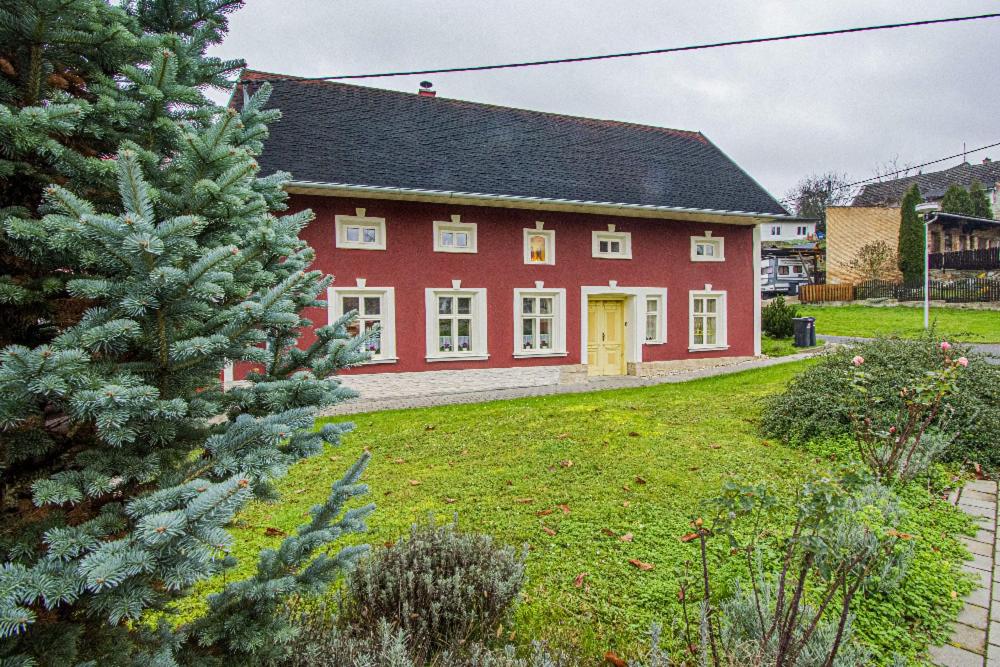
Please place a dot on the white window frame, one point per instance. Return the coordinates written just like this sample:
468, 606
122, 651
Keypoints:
721, 324
775, 227
343, 222
718, 243
455, 226
661, 317
802, 230
478, 330
558, 348
387, 336
550, 246
624, 238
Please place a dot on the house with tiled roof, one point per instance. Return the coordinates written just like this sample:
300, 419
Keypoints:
476, 236
933, 185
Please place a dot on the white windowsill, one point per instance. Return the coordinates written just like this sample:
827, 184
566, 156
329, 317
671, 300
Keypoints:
707, 348
347, 245
708, 259
459, 357
547, 353
654, 342
456, 250
382, 360
599, 256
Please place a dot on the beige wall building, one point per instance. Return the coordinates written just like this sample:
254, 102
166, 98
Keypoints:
850, 227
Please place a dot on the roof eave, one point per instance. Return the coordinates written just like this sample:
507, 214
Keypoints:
535, 203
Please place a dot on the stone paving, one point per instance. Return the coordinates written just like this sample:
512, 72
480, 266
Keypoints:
975, 638
394, 391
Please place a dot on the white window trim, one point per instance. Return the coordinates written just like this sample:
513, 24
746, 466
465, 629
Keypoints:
558, 348
341, 222
550, 246
661, 317
722, 320
388, 333
610, 234
720, 248
455, 225
479, 323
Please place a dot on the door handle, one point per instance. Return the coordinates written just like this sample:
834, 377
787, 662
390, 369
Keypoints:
602, 336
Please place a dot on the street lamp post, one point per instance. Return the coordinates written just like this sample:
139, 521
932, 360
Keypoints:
925, 209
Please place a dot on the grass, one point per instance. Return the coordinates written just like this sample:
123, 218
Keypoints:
628, 461
967, 326
782, 347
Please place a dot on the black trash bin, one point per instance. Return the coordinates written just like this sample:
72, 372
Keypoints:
805, 331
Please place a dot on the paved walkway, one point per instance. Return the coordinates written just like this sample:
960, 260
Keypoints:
975, 638
991, 350
383, 392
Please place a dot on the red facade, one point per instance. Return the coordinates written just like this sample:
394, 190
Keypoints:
661, 258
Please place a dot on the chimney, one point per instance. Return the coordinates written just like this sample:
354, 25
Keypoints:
426, 89
986, 160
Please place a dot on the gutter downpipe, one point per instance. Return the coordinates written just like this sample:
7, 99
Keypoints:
448, 194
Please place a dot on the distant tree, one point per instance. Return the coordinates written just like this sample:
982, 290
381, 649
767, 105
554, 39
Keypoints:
956, 200
890, 170
911, 236
980, 201
810, 197
874, 260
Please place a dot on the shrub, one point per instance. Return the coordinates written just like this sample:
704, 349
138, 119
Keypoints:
819, 402
776, 318
441, 586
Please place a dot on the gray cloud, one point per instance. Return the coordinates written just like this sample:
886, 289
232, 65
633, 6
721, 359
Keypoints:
782, 111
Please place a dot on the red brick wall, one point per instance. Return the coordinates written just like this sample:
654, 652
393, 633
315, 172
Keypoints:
660, 258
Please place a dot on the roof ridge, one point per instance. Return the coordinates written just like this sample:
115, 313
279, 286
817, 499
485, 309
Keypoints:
267, 76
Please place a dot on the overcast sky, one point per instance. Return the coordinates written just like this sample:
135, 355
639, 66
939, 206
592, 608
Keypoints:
781, 110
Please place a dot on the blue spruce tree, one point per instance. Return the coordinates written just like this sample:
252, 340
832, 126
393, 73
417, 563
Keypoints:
139, 253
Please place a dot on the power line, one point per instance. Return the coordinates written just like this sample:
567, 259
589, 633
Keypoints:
631, 54
788, 200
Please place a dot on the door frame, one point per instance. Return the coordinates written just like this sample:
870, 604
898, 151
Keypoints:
634, 333
616, 299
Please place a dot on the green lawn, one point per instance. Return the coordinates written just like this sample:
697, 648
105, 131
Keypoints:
628, 461
782, 347
967, 326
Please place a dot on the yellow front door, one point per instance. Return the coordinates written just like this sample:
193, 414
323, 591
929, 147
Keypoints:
605, 337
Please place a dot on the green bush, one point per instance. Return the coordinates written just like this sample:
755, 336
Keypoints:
818, 403
440, 586
776, 318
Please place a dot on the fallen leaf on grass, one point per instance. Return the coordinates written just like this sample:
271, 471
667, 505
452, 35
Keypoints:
633, 434
564, 508
544, 512
612, 658
566, 463
716, 446
579, 580
415, 482
689, 537
274, 532
525, 501
398, 461
608, 532
563, 436
549, 531
627, 489
451, 501
429, 427
627, 537
640, 480
626, 504
639, 564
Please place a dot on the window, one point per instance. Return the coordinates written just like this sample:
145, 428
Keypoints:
654, 320
775, 230
359, 232
539, 322
708, 320
612, 244
376, 317
539, 246
707, 249
782, 270
455, 236
801, 231
456, 324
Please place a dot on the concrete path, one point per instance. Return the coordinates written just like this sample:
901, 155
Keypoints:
991, 350
975, 637
389, 393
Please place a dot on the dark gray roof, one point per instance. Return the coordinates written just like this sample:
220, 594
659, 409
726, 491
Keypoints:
932, 185
347, 134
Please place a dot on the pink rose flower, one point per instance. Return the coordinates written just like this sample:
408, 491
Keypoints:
892, 429
945, 345
858, 360
962, 361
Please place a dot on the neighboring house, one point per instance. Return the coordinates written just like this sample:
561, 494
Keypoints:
848, 228
934, 184
477, 236
792, 230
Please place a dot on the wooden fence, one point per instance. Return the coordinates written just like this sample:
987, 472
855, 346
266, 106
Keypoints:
818, 293
954, 291
967, 260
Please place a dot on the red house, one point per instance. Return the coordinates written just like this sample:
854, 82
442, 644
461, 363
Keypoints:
478, 236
